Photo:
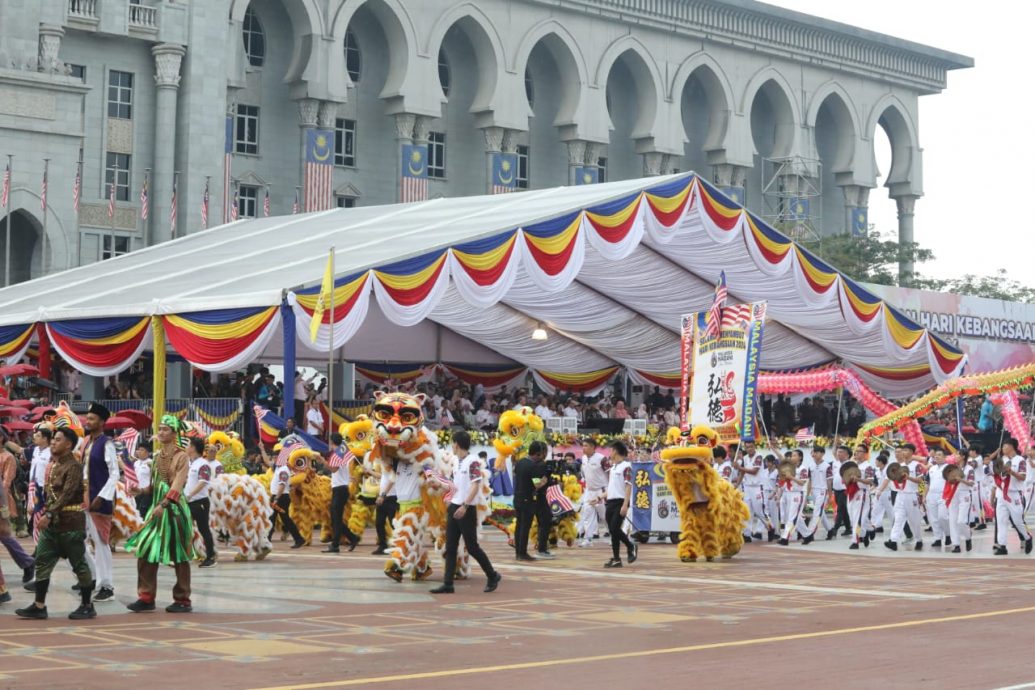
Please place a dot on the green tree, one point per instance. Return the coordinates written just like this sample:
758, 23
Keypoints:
870, 258
1000, 286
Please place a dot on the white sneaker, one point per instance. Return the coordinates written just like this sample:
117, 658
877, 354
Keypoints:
585, 543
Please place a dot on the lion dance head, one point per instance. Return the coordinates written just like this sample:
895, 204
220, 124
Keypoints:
358, 435
398, 417
229, 449
515, 432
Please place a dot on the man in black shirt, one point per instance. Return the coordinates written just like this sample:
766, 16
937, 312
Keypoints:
529, 478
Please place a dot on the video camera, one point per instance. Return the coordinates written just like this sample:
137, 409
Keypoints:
554, 468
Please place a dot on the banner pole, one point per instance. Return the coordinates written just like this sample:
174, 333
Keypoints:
330, 362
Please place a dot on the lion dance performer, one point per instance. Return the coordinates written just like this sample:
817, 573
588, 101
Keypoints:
166, 536
712, 512
407, 453
240, 504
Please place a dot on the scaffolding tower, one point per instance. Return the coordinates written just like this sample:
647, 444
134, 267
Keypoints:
792, 196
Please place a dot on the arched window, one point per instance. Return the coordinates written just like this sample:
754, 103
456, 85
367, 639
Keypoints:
353, 61
445, 77
254, 39
529, 88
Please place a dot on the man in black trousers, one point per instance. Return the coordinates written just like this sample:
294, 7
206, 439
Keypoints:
462, 520
529, 477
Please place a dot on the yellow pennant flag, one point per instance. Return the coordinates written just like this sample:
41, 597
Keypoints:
324, 300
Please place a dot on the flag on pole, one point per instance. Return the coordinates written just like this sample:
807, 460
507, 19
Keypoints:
111, 200
43, 190
145, 205
266, 204
204, 206
172, 208
7, 186
234, 206
414, 183
324, 299
714, 323
131, 438
228, 151
339, 459
319, 166
77, 187
804, 435
294, 206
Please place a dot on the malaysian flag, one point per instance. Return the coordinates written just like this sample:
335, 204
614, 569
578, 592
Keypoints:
5, 195
77, 187
233, 207
111, 200
286, 449
804, 435
266, 204
43, 188
560, 505
414, 182
145, 201
172, 208
204, 206
714, 321
339, 459
294, 206
504, 173
131, 438
319, 164
228, 149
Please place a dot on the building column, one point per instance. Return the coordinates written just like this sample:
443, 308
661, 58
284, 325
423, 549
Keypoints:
731, 181
577, 172
655, 163
308, 115
325, 120
411, 145
906, 206
500, 160
857, 202
50, 46
168, 58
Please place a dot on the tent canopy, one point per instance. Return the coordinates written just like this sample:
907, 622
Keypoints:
608, 269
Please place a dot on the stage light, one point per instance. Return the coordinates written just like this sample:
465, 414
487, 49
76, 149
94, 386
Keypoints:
540, 332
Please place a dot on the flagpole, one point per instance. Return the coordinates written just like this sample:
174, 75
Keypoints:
330, 362
111, 201
46, 182
78, 232
7, 248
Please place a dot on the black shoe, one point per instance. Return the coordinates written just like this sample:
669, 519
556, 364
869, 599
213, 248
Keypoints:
104, 594
177, 607
525, 557
632, 554
544, 556
854, 546
76, 587
443, 589
208, 563
493, 583
83, 612
353, 545
298, 545
831, 534
747, 539
948, 541
614, 563
29, 586
32, 611
28, 573
908, 532
866, 542
783, 542
379, 551
999, 551
332, 549
968, 544
956, 549
140, 606
891, 545
1027, 545
928, 529
936, 544
772, 535
981, 526
879, 530
919, 546
5, 597
872, 535
808, 540
757, 536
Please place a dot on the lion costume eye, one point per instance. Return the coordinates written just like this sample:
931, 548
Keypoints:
382, 414
361, 435
408, 417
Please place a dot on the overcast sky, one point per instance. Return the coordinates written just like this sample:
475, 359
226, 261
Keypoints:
978, 136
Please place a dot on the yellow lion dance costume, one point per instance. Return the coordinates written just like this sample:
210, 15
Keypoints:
359, 438
310, 492
712, 512
240, 504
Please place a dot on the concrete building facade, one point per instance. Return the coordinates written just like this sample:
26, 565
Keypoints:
608, 89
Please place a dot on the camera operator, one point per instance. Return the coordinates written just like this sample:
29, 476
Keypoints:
543, 512
529, 479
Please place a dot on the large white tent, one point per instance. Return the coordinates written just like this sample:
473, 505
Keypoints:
608, 269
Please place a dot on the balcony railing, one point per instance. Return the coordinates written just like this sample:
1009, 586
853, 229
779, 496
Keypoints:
142, 17
83, 9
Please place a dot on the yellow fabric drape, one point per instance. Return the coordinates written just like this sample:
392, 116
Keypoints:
158, 332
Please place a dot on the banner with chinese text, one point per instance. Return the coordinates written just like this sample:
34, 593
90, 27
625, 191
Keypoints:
653, 507
720, 374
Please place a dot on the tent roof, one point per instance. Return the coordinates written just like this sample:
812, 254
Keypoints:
609, 268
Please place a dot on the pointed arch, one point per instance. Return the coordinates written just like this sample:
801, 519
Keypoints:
717, 90
834, 89
839, 129
307, 23
760, 79
485, 40
571, 65
893, 102
397, 26
891, 114
697, 61
616, 50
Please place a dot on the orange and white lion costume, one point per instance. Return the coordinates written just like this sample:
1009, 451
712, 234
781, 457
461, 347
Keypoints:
240, 504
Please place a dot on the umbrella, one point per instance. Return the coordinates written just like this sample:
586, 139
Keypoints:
18, 425
18, 370
118, 422
141, 420
40, 409
5, 402
12, 411
27, 404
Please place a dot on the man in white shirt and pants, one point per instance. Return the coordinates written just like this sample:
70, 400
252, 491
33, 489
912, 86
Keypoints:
595, 472
1009, 499
907, 501
752, 469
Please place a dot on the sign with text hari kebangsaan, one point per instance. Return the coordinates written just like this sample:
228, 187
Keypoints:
720, 370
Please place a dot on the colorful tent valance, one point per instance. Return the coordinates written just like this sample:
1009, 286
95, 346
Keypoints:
222, 340
491, 376
589, 383
379, 372
14, 341
100, 347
